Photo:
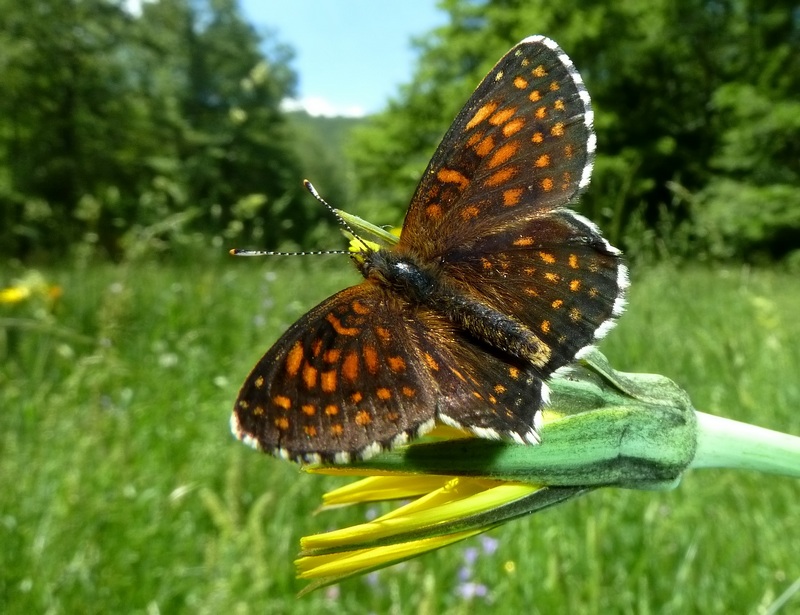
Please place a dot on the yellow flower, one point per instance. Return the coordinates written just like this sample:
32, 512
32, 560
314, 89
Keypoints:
14, 294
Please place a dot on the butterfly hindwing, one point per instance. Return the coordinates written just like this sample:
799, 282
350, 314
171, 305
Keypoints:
556, 275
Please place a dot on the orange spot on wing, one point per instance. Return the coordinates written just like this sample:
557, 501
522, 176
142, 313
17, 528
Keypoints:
503, 154
310, 430
336, 429
537, 137
551, 277
282, 402
470, 212
350, 366
513, 127
547, 257
259, 382
383, 393
309, 376
408, 391
383, 334
431, 362
360, 308
484, 147
554, 86
341, 330
545, 326
575, 285
294, 359
451, 176
501, 177
397, 364
520, 83
540, 113
559, 105
371, 359
513, 372
558, 129
282, 423
557, 304
575, 315
573, 261
481, 114
547, 184
332, 355
331, 410
309, 409
542, 161
539, 71
512, 196
363, 418
434, 211
535, 96
523, 241
328, 381
356, 397
502, 116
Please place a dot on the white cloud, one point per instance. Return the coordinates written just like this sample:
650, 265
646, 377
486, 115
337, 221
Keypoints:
316, 106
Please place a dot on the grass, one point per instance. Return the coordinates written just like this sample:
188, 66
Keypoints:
124, 492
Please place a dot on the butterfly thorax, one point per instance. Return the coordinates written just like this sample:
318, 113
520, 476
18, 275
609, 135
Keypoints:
424, 284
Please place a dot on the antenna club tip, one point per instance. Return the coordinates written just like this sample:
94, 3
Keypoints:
232, 251
310, 187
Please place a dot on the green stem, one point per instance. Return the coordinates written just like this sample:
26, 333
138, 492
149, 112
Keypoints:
724, 443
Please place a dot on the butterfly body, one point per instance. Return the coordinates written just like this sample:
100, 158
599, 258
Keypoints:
493, 285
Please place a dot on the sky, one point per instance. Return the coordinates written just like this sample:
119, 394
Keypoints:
350, 55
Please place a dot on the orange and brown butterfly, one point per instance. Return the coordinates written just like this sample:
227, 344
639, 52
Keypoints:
493, 285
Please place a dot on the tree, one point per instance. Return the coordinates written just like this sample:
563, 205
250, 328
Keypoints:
113, 121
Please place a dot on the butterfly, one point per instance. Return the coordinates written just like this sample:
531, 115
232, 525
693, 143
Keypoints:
493, 285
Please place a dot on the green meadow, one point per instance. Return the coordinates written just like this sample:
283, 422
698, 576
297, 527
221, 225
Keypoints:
123, 491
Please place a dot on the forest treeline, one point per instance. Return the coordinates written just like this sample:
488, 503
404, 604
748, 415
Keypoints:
164, 125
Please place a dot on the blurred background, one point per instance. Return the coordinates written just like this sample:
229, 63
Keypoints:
140, 140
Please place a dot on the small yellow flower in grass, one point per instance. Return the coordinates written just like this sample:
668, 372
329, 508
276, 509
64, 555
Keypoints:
603, 428
14, 294
31, 285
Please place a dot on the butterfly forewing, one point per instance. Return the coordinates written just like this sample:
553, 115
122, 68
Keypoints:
522, 143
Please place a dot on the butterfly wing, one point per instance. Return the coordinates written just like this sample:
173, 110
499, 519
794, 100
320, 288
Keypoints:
365, 370
337, 382
556, 275
522, 145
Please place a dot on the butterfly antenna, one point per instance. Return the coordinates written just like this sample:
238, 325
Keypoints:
310, 187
